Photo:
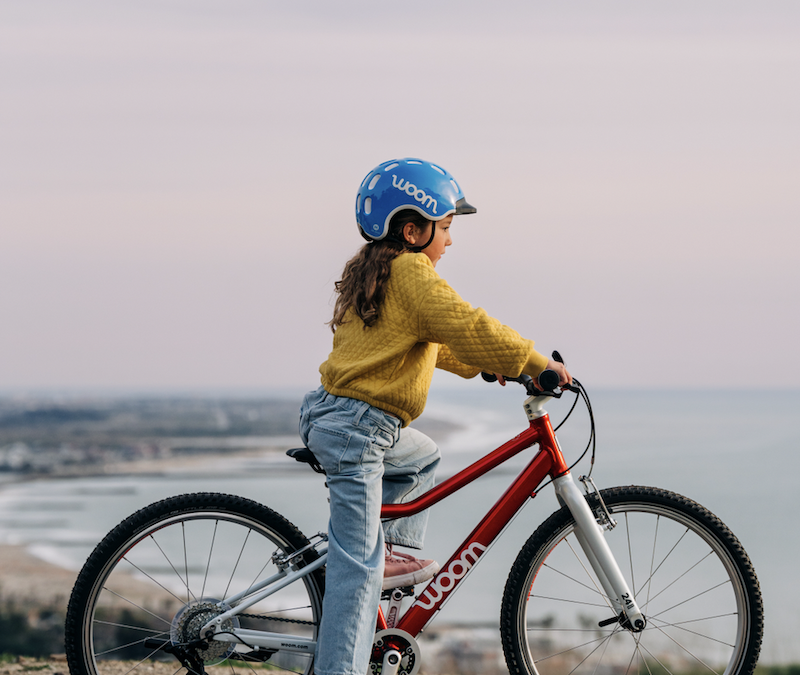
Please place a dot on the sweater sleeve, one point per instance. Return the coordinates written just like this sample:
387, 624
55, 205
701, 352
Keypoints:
446, 361
470, 334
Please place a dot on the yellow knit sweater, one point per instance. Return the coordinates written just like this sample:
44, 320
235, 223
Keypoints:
423, 324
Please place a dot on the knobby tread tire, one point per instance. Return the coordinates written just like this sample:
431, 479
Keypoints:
516, 589
112, 547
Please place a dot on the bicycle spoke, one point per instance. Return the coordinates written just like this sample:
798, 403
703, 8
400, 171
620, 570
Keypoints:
600, 659
687, 651
694, 597
634, 654
184, 582
580, 583
681, 576
648, 582
125, 646
664, 559
630, 552
703, 618
589, 575
259, 575
571, 602
656, 659
114, 624
236, 566
573, 648
134, 667
679, 626
133, 604
149, 576
186, 563
210, 554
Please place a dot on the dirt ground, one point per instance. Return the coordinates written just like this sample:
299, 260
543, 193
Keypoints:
57, 665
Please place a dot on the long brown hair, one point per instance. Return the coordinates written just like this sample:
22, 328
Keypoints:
363, 282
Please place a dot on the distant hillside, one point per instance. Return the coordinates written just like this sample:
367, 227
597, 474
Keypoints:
50, 436
48, 422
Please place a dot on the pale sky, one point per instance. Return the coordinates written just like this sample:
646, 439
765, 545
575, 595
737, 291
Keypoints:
177, 181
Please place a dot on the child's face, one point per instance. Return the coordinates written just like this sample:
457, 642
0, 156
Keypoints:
441, 239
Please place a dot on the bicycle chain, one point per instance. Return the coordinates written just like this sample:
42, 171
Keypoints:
278, 618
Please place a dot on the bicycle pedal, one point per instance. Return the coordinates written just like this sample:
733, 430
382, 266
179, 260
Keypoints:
406, 591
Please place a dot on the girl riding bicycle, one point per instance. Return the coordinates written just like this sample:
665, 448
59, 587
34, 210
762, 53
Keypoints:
394, 321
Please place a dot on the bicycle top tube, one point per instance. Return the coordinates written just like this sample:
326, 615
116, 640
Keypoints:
550, 462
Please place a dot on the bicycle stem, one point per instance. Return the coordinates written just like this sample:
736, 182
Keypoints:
590, 536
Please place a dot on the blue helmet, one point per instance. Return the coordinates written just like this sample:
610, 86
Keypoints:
406, 184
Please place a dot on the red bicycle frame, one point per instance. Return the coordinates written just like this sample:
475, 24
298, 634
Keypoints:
548, 461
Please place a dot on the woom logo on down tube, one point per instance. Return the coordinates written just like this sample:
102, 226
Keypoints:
444, 581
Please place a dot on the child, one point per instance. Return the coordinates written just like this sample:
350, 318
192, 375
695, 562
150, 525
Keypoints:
394, 320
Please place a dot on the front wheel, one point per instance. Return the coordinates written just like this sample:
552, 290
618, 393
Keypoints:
160, 575
690, 576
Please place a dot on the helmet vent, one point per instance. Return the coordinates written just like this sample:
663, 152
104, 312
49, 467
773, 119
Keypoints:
391, 166
439, 169
455, 185
374, 180
358, 202
368, 205
413, 161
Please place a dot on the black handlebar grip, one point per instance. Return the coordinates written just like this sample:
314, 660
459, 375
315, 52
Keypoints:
489, 377
548, 380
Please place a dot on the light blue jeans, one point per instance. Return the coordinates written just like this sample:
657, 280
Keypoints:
369, 460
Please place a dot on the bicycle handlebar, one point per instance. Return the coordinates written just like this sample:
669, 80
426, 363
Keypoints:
548, 380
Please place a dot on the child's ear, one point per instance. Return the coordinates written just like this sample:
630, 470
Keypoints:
410, 233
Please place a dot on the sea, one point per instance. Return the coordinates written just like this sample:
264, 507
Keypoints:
735, 452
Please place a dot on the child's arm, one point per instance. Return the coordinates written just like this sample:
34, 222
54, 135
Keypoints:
446, 361
473, 337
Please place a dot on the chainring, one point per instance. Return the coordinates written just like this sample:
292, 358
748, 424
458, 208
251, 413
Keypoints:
394, 638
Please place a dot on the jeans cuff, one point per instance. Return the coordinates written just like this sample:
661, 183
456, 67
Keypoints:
400, 541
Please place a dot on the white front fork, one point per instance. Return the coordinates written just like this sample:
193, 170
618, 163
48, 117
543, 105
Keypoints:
590, 536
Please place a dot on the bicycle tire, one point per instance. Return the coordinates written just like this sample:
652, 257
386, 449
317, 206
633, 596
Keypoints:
156, 573
690, 575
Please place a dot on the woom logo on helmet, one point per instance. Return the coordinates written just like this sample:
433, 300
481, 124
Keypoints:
417, 193
444, 582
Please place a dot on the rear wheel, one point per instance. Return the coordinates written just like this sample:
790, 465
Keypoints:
690, 575
159, 576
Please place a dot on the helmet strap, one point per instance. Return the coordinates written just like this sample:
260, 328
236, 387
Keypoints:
418, 249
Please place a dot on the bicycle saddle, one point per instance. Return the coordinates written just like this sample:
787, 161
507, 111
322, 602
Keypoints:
305, 456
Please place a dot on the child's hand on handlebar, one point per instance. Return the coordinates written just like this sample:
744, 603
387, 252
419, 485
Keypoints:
564, 378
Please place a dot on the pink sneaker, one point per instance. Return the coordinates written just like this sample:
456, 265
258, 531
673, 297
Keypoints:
406, 570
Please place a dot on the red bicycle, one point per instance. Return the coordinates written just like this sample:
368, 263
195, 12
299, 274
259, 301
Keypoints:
626, 579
